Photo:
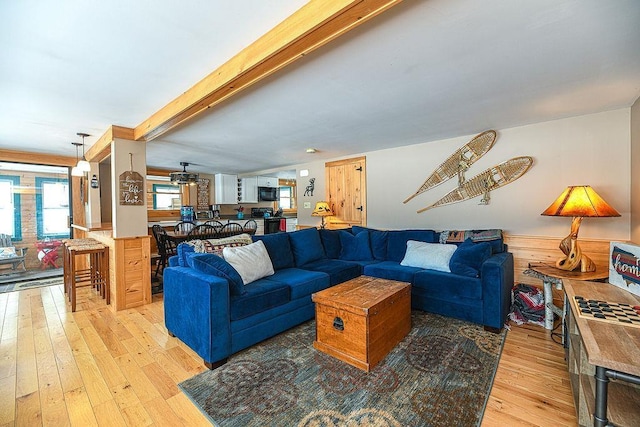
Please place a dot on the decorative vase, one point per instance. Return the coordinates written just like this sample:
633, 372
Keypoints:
240, 215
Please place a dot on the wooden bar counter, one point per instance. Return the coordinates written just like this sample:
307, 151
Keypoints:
603, 358
129, 265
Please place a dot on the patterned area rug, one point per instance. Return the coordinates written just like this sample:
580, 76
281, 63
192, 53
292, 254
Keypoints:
439, 375
20, 286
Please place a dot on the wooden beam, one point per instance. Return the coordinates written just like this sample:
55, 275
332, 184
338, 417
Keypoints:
37, 158
102, 147
158, 171
315, 24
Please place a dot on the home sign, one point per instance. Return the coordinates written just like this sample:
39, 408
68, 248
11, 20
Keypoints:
624, 266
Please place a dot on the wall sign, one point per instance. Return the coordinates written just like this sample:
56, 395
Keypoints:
203, 194
131, 187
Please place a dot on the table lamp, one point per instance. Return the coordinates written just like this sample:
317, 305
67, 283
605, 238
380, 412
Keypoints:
322, 209
578, 202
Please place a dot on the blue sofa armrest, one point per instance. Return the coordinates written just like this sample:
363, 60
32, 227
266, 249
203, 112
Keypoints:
497, 281
173, 261
196, 310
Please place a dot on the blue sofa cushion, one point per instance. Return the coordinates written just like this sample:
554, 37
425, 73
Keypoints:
397, 242
306, 246
302, 282
447, 286
184, 250
278, 248
216, 266
331, 242
468, 258
378, 240
492, 236
355, 247
261, 295
339, 271
391, 270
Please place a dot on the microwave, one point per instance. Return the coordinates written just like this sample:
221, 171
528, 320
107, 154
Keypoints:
268, 194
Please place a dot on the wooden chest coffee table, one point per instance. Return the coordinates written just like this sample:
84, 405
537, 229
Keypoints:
361, 320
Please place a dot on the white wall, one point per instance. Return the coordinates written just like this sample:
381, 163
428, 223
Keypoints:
586, 150
635, 172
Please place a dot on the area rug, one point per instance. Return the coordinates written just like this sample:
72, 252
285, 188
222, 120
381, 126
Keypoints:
440, 375
20, 286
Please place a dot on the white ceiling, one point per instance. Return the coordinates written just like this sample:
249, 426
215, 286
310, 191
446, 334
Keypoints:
424, 70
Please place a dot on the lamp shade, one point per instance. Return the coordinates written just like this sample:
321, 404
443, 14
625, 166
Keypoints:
322, 209
76, 171
580, 201
84, 166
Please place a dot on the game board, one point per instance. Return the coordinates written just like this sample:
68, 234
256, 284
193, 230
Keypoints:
610, 312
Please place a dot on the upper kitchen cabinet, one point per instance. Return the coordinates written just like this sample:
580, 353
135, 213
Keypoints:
267, 181
226, 189
248, 189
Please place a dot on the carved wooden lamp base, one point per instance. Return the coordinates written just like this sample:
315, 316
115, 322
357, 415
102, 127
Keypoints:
574, 258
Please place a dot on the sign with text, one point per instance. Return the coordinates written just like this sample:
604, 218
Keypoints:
131, 188
203, 194
624, 266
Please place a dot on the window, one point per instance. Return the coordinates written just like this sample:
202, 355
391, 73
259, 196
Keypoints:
10, 220
286, 198
52, 207
166, 196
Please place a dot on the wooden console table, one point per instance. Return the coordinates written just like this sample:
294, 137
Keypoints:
603, 359
550, 275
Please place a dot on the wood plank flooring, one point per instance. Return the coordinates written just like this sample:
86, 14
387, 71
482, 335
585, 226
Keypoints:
96, 367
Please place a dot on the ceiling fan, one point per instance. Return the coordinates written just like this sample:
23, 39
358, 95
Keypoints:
183, 177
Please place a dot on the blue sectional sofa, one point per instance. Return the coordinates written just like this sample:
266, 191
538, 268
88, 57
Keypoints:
208, 307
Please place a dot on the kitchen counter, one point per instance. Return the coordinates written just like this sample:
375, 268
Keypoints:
96, 226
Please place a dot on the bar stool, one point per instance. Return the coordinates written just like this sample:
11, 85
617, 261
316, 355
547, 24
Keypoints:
66, 260
96, 275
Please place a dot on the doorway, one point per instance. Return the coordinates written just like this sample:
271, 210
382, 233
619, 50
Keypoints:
346, 188
34, 217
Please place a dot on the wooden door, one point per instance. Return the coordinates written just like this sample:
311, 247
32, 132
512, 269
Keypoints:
346, 192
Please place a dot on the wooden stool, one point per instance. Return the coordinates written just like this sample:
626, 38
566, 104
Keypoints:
97, 275
66, 259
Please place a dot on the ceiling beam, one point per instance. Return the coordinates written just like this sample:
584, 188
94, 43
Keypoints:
102, 147
315, 24
37, 158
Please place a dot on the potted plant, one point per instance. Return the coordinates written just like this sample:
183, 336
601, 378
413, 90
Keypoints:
240, 210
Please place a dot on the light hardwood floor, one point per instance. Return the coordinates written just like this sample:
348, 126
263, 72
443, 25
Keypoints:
97, 367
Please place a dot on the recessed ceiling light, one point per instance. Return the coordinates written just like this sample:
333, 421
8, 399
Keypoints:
311, 150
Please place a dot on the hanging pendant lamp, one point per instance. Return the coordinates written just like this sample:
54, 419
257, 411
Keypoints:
76, 171
83, 164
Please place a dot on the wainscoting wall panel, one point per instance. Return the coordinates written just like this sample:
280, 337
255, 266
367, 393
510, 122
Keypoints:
531, 249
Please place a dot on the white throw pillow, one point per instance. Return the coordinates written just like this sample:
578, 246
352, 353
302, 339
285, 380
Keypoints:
434, 256
252, 261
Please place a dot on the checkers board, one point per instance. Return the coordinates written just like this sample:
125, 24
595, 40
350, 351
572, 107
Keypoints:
610, 312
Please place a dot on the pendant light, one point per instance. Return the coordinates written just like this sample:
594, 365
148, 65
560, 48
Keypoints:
75, 171
83, 165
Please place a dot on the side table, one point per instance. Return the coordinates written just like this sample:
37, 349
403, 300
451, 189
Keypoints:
550, 275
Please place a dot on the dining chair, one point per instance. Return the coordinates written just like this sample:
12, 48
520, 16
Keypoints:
251, 227
184, 226
231, 229
166, 247
203, 231
217, 224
